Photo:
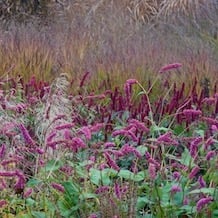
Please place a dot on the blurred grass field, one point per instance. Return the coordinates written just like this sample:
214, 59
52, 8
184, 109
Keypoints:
113, 40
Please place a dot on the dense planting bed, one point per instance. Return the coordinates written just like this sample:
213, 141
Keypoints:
120, 153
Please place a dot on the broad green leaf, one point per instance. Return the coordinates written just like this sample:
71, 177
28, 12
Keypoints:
203, 190
82, 173
141, 149
66, 210
71, 188
37, 214
95, 176
85, 196
30, 202
33, 182
126, 174
53, 165
142, 202
140, 176
215, 214
23, 215
158, 129
186, 158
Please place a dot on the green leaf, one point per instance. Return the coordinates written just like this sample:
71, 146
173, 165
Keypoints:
38, 214
30, 202
140, 176
203, 190
142, 202
24, 216
126, 174
215, 214
95, 176
33, 182
85, 196
71, 188
142, 149
53, 165
186, 158
65, 209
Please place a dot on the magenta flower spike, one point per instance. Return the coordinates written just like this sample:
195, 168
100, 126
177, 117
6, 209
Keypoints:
28, 139
170, 67
193, 172
58, 187
175, 188
202, 203
2, 150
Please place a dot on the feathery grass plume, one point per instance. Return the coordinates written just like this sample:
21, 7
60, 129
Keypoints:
51, 124
143, 10
2, 151
170, 9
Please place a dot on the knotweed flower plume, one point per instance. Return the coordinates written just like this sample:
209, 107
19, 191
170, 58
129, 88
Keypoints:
58, 187
175, 188
111, 162
170, 67
152, 171
102, 189
86, 131
167, 139
28, 139
2, 150
193, 172
210, 155
27, 192
176, 175
202, 203
3, 203
93, 216
201, 182
194, 146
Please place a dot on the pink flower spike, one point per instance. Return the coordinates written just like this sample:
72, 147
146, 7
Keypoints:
2, 150
2, 203
170, 67
201, 182
152, 171
202, 202
28, 139
27, 192
58, 187
65, 126
210, 155
86, 131
93, 216
193, 172
131, 81
175, 188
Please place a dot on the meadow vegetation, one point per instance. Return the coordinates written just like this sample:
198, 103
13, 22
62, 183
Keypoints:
109, 109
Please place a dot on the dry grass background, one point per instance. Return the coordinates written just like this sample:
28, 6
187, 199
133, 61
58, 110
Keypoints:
113, 40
